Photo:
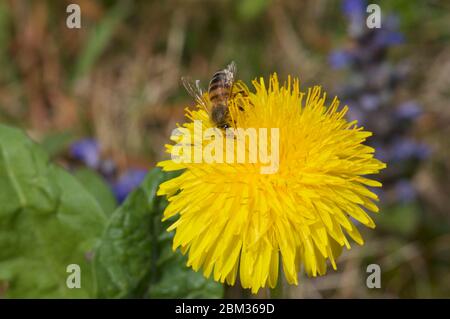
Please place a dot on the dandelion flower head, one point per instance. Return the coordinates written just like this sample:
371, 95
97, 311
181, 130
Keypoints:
232, 220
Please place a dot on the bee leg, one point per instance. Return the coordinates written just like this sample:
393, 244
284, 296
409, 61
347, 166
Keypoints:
241, 92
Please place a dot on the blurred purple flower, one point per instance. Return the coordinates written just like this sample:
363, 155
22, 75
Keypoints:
408, 111
369, 102
405, 148
87, 151
370, 90
127, 182
353, 8
339, 59
355, 11
386, 38
405, 191
423, 151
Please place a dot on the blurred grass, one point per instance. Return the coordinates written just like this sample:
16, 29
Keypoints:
5, 33
99, 37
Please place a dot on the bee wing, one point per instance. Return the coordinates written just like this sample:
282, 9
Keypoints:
232, 68
194, 90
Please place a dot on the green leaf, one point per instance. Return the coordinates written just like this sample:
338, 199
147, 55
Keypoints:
135, 258
55, 143
47, 222
98, 188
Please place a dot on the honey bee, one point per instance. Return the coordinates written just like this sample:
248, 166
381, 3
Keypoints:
220, 90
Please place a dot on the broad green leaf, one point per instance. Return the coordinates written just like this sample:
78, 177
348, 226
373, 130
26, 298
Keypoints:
97, 186
47, 222
55, 143
175, 280
135, 258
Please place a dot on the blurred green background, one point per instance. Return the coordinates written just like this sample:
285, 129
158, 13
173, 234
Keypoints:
117, 80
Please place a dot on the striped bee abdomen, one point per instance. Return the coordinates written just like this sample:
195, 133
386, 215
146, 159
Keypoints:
219, 87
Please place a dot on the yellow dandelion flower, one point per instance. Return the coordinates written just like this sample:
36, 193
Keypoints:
234, 219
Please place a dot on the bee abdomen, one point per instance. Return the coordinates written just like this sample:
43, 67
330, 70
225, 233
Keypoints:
219, 95
214, 87
217, 78
220, 86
